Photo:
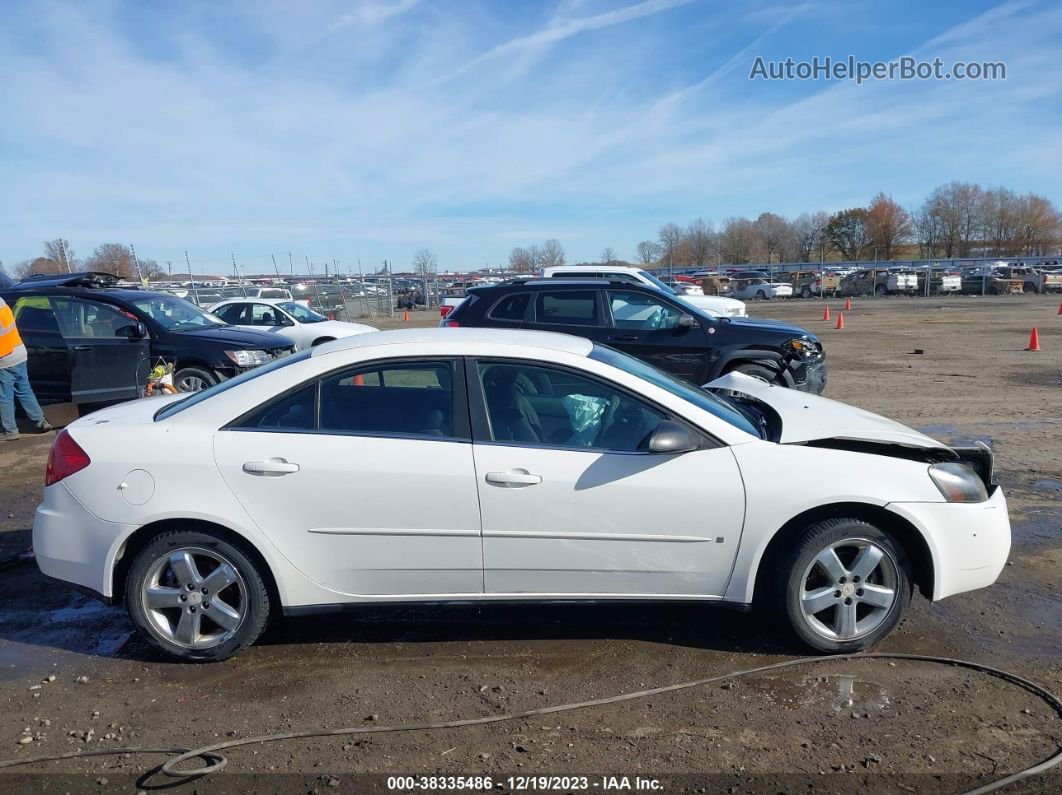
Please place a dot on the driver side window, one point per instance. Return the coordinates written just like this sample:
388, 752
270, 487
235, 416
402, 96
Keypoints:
533, 405
633, 310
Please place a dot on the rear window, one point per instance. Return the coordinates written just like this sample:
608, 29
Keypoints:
570, 307
195, 398
511, 307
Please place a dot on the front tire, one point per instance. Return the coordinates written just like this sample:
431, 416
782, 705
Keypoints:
758, 371
843, 586
196, 596
193, 379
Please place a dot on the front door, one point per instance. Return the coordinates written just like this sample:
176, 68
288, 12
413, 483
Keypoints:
574, 504
649, 329
107, 362
364, 479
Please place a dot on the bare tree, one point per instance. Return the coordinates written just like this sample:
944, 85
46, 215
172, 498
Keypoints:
888, 225
520, 260
425, 263
552, 253
772, 230
608, 255
113, 258
809, 231
59, 250
1038, 225
648, 251
671, 237
926, 224
699, 242
737, 241
39, 265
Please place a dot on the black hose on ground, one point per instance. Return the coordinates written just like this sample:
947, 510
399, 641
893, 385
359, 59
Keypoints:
215, 761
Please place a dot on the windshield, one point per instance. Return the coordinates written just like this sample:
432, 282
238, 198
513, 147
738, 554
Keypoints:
175, 314
656, 282
301, 313
713, 404
222, 386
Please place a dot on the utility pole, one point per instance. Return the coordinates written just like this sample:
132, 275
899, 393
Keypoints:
169, 268
136, 262
191, 278
291, 264
62, 252
275, 268
236, 270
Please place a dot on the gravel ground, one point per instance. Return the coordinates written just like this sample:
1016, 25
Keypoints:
831, 727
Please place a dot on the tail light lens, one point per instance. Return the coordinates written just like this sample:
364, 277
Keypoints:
66, 458
450, 324
445, 310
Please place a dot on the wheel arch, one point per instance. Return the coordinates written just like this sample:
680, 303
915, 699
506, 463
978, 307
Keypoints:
322, 340
142, 536
904, 532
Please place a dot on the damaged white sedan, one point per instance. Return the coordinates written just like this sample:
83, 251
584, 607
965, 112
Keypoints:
470, 465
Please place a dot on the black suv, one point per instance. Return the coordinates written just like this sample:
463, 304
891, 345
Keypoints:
653, 326
90, 342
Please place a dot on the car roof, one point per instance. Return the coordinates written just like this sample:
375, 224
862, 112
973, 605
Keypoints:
502, 338
592, 268
235, 299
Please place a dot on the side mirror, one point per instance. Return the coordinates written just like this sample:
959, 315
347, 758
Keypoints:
687, 321
670, 437
132, 332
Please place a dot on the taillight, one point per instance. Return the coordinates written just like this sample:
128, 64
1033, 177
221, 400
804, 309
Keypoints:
66, 458
450, 324
445, 310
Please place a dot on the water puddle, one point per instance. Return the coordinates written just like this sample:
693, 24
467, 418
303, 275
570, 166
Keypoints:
838, 694
1047, 484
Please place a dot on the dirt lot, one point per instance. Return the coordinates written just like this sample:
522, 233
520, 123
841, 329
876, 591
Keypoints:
829, 727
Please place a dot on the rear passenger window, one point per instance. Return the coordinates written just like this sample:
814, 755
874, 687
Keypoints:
512, 307
294, 412
404, 399
570, 307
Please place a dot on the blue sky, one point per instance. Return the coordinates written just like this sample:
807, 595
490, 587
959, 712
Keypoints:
368, 129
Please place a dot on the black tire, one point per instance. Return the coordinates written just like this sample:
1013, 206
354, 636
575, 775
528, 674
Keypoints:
321, 341
249, 593
184, 378
758, 371
796, 567
805, 292
761, 295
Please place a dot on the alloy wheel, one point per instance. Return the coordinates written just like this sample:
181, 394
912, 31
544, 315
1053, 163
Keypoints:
191, 383
849, 589
194, 597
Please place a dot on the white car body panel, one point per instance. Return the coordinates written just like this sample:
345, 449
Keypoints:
712, 304
371, 518
770, 290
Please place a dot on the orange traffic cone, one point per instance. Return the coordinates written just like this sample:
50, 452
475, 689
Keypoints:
405, 316
1034, 340
1060, 309
847, 304
826, 313
840, 320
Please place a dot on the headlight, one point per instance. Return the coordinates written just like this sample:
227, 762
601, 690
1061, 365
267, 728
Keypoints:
248, 358
958, 483
803, 348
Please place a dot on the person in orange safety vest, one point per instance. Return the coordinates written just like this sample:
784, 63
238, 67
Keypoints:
14, 379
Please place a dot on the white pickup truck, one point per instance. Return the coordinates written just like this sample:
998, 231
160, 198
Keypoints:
712, 304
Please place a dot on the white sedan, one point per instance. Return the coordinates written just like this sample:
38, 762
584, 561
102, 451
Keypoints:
761, 288
428, 465
291, 319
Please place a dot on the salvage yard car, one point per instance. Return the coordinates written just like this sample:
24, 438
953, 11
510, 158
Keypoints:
288, 318
91, 343
879, 281
759, 287
474, 465
655, 326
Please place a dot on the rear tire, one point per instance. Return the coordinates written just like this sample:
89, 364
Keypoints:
761, 295
196, 596
805, 292
843, 586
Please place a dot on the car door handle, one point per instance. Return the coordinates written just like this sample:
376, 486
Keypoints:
624, 338
82, 347
514, 477
274, 466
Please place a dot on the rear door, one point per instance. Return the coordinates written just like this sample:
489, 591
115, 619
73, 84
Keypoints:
49, 356
107, 362
579, 312
647, 327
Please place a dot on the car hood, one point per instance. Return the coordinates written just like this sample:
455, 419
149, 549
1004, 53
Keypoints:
242, 337
772, 325
811, 418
